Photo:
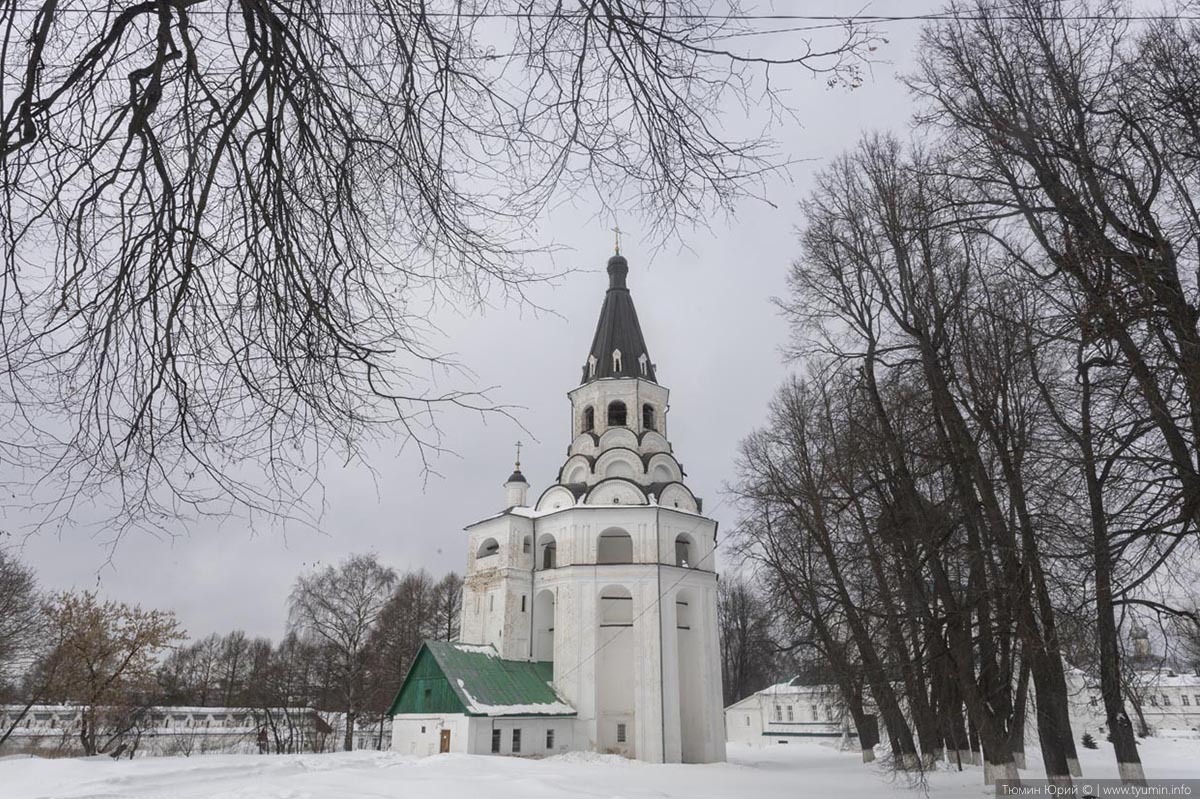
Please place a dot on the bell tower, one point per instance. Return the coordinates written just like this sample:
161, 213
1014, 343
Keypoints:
610, 578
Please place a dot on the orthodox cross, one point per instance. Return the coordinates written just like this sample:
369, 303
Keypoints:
518, 456
617, 244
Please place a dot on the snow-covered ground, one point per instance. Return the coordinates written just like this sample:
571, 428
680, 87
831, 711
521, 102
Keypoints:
794, 771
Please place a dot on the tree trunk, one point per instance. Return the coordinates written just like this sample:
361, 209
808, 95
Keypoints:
1120, 729
1016, 733
915, 689
348, 740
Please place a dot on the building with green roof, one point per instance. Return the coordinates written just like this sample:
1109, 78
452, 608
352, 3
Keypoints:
589, 613
466, 698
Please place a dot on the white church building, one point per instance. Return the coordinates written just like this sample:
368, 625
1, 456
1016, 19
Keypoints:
589, 615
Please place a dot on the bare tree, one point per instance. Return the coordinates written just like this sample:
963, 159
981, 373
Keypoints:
448, 607
1076, 132
211, 671
103, 658
20, 616
22, 632
339, 607
222, 224
748, 649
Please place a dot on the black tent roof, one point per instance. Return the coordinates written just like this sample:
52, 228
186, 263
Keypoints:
618, 330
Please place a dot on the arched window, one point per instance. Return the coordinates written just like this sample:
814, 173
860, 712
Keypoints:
644, 364
547, 552
683, 551
648, 417
617, 416
617, 361
683, 614
589, 419
543, 621
616, 607
488, 548
591, 366
615, 546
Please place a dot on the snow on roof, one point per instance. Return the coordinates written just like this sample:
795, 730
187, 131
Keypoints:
1166, 678
534, 513
489, 685
527, 709
790, 687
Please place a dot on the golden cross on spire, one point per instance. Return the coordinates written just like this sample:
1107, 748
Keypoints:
617, 244
518, 456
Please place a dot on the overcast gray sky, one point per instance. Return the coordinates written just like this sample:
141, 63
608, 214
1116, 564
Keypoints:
705, 310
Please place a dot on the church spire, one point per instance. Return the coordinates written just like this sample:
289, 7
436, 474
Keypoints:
618, 348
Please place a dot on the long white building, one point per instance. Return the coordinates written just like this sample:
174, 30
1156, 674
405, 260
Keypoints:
178, 730
788, 711
589, 614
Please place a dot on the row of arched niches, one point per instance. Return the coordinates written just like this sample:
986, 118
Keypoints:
620, 467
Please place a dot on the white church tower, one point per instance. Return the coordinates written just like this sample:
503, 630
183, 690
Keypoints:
610, 574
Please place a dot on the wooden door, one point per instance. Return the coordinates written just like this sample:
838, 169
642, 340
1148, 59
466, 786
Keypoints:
444, 743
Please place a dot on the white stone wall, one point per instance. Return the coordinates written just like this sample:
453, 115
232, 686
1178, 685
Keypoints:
420, 733
533, 735
497, 588
744, 722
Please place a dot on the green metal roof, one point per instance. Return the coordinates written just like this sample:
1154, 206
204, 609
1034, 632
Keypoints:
473, 679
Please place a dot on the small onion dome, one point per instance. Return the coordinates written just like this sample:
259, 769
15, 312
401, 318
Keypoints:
618, 270
516, 477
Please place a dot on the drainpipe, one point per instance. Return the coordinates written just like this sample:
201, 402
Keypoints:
532, 591
662, 695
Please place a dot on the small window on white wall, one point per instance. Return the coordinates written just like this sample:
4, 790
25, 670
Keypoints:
621, 733
683, 551
617, 414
